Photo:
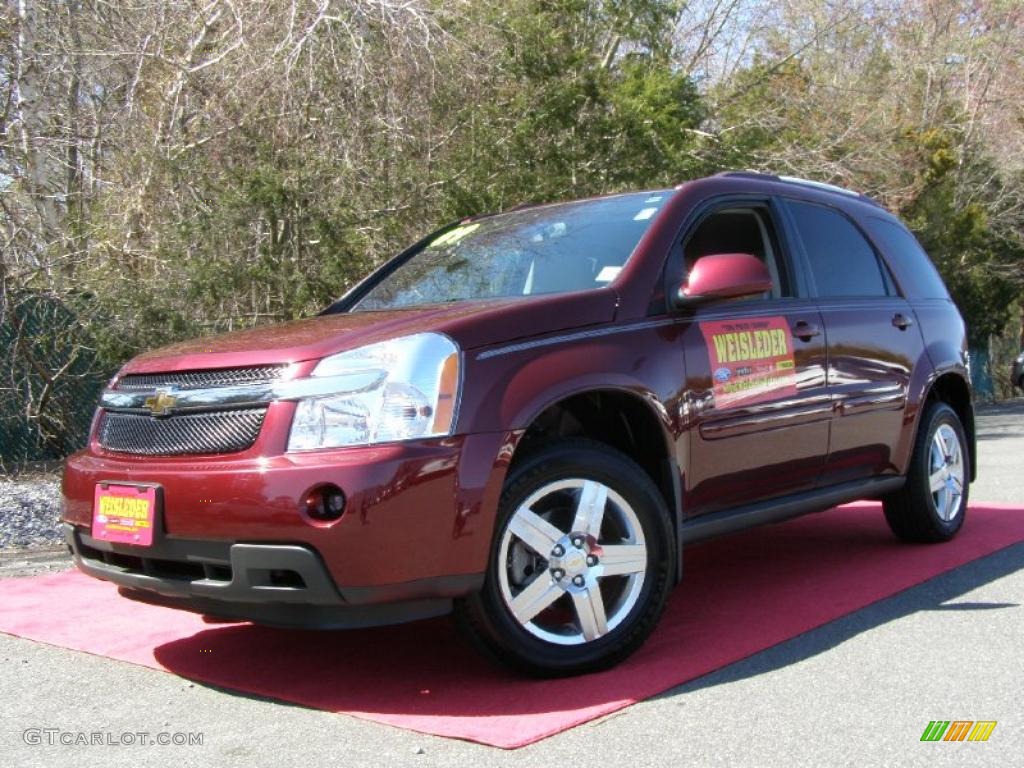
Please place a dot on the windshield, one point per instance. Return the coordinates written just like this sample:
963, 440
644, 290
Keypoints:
550, 249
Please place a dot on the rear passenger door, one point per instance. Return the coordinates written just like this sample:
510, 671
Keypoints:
871, 337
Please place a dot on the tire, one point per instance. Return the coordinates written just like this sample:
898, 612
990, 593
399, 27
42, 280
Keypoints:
916, 513
541, 606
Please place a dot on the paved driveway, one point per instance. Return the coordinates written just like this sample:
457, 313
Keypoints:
858, 691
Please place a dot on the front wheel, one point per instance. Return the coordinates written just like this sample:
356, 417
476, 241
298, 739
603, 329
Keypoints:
580, 566
932, 504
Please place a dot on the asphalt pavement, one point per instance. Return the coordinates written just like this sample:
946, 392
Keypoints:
857, 691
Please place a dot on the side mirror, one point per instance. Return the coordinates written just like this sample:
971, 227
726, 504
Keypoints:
723, 276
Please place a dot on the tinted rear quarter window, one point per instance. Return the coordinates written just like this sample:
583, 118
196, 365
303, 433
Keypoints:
842, 262
915, 270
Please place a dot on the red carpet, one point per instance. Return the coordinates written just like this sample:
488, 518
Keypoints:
741, 595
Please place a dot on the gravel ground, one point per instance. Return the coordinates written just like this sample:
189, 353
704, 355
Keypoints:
29, 512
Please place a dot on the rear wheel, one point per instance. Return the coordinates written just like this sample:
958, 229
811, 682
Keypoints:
580, 566
932, 504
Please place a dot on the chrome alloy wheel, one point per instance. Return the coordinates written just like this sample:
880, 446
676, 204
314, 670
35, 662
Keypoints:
572, 561
946, 472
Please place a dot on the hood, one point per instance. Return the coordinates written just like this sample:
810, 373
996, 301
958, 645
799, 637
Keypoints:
471, 324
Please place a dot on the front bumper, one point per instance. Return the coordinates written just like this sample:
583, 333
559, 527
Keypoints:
276, 584
418, 518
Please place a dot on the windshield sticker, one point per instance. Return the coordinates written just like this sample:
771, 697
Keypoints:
607, 274
550, 232
645, 214
452, 236
751, 360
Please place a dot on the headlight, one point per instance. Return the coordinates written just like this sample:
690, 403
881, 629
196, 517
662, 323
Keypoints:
401, 389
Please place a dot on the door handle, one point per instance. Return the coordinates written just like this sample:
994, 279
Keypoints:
806, 331
901, 321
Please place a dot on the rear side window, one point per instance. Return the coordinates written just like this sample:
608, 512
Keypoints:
917, 274
842, 262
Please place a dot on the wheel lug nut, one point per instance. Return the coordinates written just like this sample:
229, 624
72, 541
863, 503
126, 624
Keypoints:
558, 551
558, 573
578, 581
577, 542
591, 561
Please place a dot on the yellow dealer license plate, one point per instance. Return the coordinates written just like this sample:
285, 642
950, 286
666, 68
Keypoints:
124, 514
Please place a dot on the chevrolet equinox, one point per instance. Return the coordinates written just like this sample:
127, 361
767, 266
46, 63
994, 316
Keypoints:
525, 416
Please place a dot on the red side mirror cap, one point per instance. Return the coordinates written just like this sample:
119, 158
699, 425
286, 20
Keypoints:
724, 276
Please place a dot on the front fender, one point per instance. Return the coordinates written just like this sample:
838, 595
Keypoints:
507, 388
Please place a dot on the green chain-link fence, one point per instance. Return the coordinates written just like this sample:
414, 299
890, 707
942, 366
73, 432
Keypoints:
49, 381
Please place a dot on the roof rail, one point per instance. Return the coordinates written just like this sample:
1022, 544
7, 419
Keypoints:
802, 182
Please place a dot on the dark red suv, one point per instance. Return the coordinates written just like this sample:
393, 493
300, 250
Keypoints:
525, 416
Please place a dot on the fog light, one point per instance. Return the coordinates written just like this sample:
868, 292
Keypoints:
324, 503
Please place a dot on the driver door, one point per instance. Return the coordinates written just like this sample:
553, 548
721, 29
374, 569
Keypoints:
756, 406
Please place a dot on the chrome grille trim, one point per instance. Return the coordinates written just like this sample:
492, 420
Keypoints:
220, 377
242, 395
194, 433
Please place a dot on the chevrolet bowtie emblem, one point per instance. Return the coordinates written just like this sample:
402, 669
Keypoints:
161, 403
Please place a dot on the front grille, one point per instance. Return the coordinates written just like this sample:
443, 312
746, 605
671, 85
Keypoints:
223, 377
194, 433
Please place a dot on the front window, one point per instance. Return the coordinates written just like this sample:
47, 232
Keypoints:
737, 230
550, 249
